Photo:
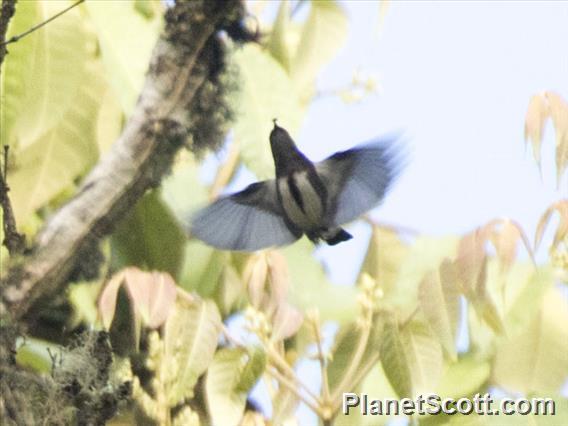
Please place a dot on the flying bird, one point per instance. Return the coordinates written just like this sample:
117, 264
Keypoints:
314, 199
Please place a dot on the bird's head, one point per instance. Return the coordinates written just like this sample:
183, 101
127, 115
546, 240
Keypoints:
287, 157
280, 139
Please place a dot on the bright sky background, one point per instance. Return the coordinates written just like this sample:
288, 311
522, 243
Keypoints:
457, 78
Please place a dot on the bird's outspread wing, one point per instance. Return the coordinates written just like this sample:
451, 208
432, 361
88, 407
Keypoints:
248, 220
358, 179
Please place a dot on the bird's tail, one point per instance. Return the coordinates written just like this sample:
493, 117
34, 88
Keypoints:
339, 236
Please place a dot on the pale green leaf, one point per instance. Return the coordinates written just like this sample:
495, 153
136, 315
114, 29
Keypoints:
183, 191
253, 370
266, 93
284, 405
537, 361
191, 335
424, 355
425, 253
346, 342
324, 33
486, 296
231, 293
109, 121
394, 360
375, 385
43, 74
186, 417
560, 417
225, 405
34, 354
149, 237
439, 299
82, 298
385, 255
126, 40
463, 378
310, 287
525, 290
278, 43
202, 269
51, 163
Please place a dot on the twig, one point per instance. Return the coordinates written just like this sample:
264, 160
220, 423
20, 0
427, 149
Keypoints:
356, 360
358, 378
14, 241
321, 359
7, 11
290, 385
17, 37
283, 365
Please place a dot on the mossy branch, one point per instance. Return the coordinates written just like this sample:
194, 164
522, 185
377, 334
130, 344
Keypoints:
155, 131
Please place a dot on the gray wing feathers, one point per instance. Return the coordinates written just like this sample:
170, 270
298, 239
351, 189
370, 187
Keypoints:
358, 179
248, 220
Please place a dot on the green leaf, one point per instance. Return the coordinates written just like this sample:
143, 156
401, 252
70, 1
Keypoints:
202, 269
278, 43
464, 377
35, 354
439, 299
536, 360
486, 293
424, 355
310, 287
284, 405
126, 54
109, 121
525, 290
266, 93
149, 237
394, 360
346, 341
385, 255
253, 369
324, 33
190, 336
375, 385
43, 73
49, 165
183, 191
225, 405
407, 268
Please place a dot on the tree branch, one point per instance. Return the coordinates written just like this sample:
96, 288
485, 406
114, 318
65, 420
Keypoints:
7, 11
143, 153
14, 241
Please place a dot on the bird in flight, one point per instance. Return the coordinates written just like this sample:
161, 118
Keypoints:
314, 199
